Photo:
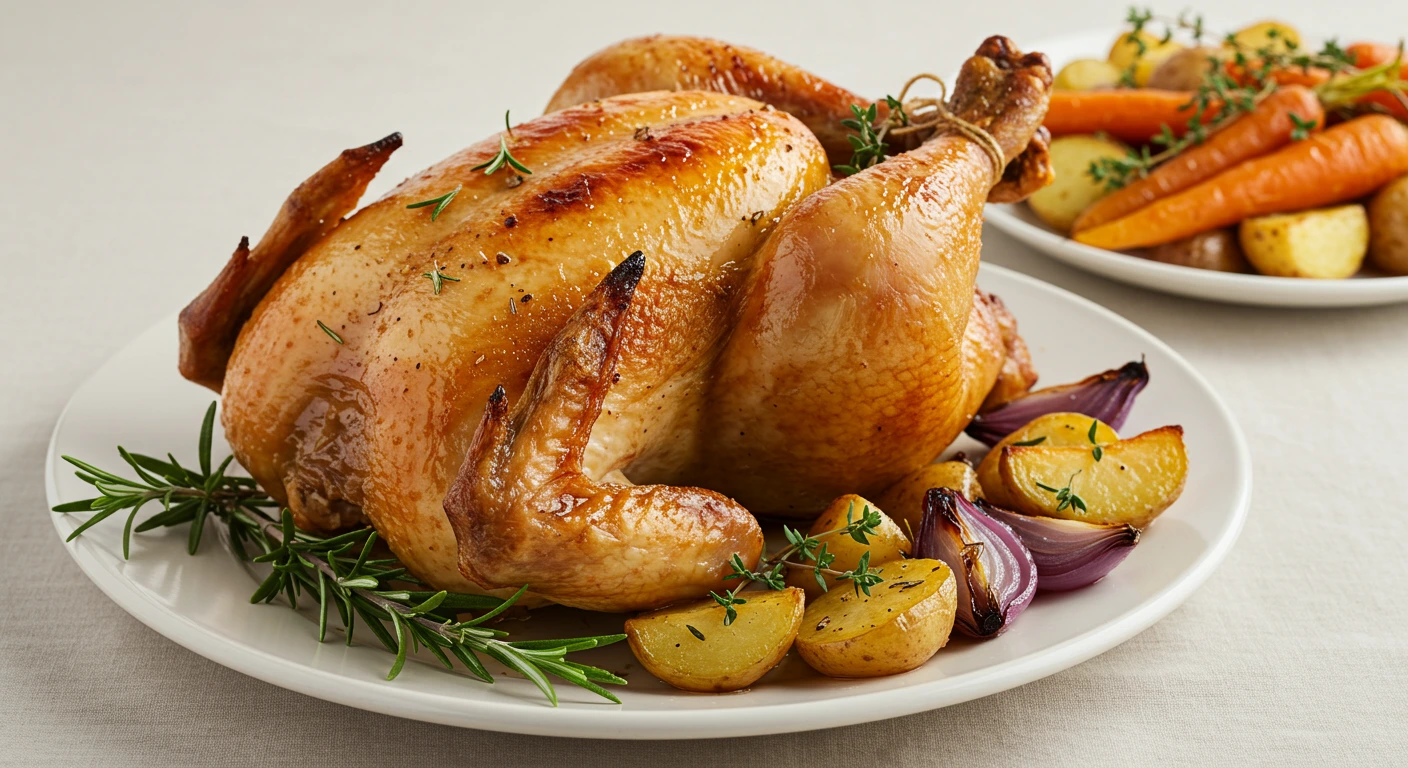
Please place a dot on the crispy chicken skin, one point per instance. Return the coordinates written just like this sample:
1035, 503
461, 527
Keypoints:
781, 340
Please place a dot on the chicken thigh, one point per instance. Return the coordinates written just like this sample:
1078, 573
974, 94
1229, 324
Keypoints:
676, 296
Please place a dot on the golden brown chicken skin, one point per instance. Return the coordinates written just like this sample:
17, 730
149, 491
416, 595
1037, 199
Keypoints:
783, 340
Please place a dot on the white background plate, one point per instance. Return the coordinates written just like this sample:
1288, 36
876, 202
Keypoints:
1019, 221
137, 400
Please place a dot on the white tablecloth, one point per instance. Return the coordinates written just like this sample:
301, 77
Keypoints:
141, 141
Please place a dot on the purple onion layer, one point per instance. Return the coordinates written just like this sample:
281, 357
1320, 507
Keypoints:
996, 575
1069, 554
1105, 396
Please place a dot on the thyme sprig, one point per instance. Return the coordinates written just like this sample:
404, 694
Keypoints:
1098, 452
1065, 497
867, 144
1231, 88
339, 572
808, 552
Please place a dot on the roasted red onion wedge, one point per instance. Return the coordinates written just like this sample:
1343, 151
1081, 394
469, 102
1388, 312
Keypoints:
1069, 554
1105, 396
995, 573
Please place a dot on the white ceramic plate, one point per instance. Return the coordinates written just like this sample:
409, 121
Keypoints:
1018, 221
202, 602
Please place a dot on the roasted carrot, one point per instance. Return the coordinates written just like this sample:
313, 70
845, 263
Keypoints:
1129, 114
1366, 55
1307, 76
1347, 161
1265, 129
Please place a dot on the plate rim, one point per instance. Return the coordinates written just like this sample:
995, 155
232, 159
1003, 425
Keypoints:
1225, 287
605, 720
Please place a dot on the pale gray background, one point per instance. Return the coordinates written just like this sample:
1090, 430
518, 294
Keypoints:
139, 143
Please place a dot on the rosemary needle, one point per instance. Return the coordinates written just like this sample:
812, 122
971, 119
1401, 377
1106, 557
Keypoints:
330, 332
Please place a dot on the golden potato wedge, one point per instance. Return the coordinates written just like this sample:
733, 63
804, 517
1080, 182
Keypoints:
1327, 243
1086, 75
1073, 190
904, 621
889, 542
1275, 35
1217, 249
690, 647
1184, 70
1125, 53
905, 499
1051, 430
1132, 482
1388, 227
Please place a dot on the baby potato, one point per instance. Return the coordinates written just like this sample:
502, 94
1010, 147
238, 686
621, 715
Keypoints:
905, 499
1216, 249
1184, 70
889, 542
1328, 243
1152, 59
1388, 227
904, 621
1086, 75
1279, 37
690, 647
1051, 430
1132, 482
1124, 53
1073, 190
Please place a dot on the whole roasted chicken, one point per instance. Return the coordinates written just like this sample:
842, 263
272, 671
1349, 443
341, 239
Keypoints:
588, 370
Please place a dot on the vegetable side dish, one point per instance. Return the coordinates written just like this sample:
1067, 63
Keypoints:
1251, 152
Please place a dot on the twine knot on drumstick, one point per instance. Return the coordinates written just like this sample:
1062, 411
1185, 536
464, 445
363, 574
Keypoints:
924, 116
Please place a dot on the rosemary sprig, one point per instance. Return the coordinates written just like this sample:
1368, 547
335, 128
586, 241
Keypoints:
1065, 496
439, 202
339, 571
438, 278
503, 156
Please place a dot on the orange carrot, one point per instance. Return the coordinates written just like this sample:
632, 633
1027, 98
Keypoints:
1307, 76
1366, 55
1129, 114
1266, 128
1347, 161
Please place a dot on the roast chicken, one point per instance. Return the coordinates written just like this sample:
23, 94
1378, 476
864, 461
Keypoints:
595, 375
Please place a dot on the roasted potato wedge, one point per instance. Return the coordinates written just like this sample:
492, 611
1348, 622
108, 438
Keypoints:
1184, 70
889, 542
904, 621
690, 647
1086, 75
1327, 243
1051, 430
1073, 190
1388, 227
905, 499
1218, 250
1279, 37
1132, 482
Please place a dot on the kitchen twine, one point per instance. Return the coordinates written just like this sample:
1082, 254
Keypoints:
927, 115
